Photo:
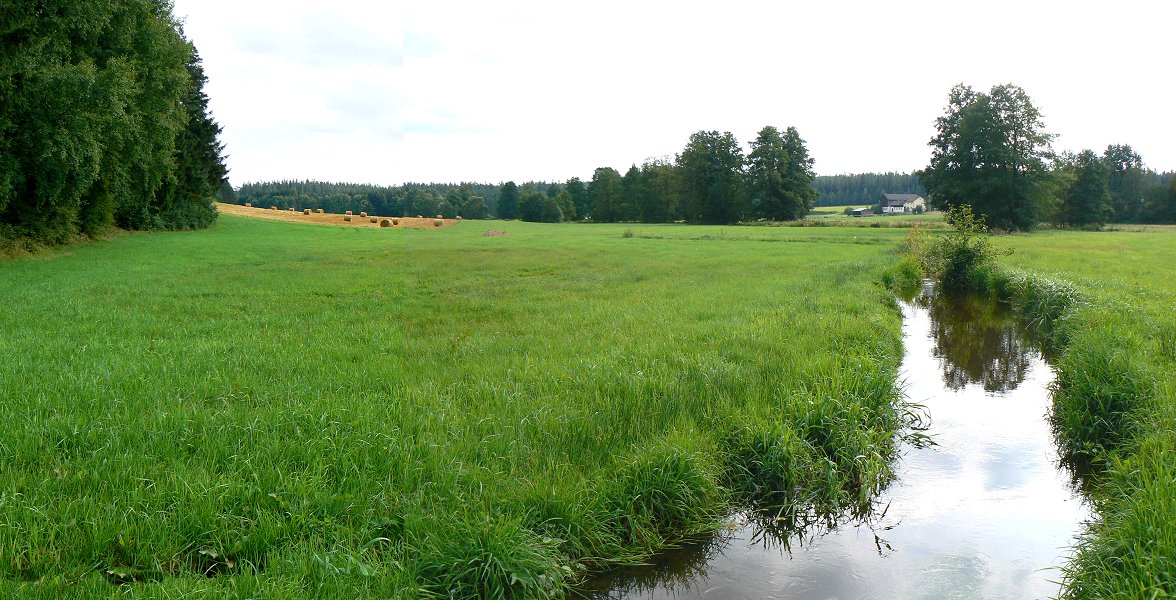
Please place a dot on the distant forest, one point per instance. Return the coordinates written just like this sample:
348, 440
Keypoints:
426, 199
864, 188
442, 198
710, 181
449, 199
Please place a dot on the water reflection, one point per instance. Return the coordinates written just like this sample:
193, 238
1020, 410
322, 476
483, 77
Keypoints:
986, 513
977, 342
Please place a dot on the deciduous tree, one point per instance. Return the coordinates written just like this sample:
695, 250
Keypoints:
991, 152
474, 208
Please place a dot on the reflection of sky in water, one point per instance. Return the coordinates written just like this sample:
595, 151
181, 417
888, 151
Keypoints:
984, 514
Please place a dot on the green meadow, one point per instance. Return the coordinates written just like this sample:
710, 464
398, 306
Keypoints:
283, 410
280, 410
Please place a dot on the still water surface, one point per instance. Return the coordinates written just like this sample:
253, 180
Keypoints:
987, 512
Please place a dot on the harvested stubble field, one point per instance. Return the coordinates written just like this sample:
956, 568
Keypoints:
284, 410
318, 218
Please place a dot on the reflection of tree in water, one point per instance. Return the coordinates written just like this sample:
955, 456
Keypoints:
977, 341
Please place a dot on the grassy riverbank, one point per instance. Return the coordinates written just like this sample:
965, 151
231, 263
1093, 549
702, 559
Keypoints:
285, 410
1107, 300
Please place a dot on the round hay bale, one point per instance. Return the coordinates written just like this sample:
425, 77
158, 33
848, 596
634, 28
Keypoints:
458, 217
273, 208
319, 211
347, 218
306, 212
440, 216
374, 219
292, 209
419, 217
385, 222
437, 222
395, 221
248, 205
363, 214
348, 213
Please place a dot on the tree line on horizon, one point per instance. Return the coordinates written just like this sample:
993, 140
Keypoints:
710, 181
103, 121
449, 199
993, 153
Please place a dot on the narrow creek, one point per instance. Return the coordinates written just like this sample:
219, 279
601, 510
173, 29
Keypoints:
986, 512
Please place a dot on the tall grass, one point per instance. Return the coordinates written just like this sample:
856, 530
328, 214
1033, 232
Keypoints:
284, 410
1104, 301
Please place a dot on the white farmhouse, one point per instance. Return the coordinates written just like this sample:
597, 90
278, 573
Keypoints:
902, 203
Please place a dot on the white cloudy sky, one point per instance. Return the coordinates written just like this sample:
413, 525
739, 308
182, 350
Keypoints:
426, 90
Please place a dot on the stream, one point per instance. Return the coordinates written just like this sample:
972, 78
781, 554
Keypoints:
986, 512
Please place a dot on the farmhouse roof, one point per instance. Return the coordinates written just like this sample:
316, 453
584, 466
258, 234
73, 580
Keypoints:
899, 199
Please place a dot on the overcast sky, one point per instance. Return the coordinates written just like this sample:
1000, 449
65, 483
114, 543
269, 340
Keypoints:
386, 92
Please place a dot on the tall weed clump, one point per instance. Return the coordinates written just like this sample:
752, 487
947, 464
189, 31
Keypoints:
825, 450
962, 261
1045, 305
666, 490
490, 556
1102, 384
906, 275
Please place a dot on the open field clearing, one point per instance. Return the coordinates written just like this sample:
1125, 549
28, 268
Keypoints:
282, 410
289, 411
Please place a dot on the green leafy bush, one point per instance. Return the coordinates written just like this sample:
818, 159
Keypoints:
965, 259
